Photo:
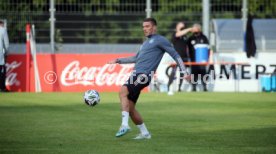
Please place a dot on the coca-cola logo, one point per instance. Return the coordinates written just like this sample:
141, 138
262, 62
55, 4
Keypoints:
73, 74
11, 75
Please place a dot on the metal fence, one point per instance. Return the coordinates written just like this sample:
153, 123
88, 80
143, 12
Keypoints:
115, 21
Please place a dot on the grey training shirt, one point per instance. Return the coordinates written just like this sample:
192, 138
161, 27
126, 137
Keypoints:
150, 54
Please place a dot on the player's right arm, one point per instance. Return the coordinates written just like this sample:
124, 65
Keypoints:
126, 60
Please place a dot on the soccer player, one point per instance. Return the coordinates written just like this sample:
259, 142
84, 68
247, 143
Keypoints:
146, 62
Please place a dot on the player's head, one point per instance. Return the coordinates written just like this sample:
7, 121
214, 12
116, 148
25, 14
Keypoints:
149, 26
196, 28
180, 26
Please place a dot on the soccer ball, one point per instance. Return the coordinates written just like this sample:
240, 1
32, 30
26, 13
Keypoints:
91, 97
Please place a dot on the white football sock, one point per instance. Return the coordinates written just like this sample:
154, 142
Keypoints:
125, 116
143, 129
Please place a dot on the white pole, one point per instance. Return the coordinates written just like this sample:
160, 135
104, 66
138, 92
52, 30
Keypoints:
33, 52
148, 8
52, 25
244, 19
244, 14
206, 16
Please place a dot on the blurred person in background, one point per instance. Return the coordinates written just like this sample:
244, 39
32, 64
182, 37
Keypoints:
4, 45
179, 41
197, 71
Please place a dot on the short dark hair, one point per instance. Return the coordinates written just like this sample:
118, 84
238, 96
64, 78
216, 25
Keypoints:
1, 22
152, 20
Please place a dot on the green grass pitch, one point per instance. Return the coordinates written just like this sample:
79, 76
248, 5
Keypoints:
183, 123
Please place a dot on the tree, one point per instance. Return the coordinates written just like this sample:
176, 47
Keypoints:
115, 21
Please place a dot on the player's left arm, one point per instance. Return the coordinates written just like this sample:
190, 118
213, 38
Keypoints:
166, 46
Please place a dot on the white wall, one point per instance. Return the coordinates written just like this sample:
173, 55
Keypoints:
246, 80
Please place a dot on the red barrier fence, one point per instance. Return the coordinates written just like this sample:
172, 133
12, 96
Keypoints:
68, 72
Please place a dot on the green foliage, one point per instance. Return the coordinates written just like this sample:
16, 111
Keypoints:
262, 9
109, 13
23, 12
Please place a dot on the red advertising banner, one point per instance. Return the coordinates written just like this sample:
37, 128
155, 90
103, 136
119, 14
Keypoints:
68, 72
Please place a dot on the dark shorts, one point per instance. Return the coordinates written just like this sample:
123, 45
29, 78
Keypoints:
135, 84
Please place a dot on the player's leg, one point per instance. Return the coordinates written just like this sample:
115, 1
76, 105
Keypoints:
123, 94
128, 91
129, 95
171, 78
194, 78
180, 81
138, 121
134, 114
203, 73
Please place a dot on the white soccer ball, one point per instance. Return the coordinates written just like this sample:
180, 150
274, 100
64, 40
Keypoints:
91, 97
